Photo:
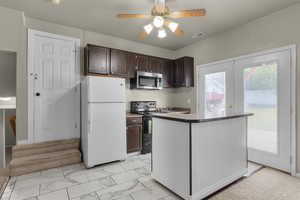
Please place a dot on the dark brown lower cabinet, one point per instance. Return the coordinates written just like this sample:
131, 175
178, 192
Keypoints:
134, 137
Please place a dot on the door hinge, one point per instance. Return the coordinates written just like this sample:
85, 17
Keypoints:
76, 126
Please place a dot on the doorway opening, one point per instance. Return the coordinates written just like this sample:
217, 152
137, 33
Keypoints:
8, 63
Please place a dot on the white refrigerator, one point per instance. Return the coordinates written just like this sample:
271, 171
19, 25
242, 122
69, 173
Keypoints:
103, 136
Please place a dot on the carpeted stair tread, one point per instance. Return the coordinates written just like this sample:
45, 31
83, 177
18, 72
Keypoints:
21, 170
44, 149
44, 158
22, 147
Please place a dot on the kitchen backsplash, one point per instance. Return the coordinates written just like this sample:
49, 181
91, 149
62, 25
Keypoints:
165, 97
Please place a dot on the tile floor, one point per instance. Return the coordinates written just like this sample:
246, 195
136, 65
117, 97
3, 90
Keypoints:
128, 180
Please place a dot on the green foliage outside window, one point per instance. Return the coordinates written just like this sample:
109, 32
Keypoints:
261, 78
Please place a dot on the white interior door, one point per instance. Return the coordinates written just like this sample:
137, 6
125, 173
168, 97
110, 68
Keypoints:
263, 87
56, 91
215, 90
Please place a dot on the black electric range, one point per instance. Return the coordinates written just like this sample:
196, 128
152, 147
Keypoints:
145, 108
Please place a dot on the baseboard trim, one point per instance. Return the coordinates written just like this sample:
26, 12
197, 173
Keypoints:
22, 142
133, 154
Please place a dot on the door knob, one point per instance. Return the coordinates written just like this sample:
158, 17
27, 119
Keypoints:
37, 94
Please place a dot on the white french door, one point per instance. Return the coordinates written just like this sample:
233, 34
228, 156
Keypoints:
259, 84
54, 91
215, 90
264, 88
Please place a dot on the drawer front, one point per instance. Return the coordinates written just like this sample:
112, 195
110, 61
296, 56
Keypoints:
134, 120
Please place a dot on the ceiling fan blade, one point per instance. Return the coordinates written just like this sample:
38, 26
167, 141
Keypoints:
124, 16
188, 13
143, 35
179, 32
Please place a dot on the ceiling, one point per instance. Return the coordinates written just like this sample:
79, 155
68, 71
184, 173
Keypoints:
99, 16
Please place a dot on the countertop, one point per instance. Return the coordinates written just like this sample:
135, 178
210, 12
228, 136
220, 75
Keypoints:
7, 103
196, 118
131, 115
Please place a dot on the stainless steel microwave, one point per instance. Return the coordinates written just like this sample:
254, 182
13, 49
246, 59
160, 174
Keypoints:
146, 80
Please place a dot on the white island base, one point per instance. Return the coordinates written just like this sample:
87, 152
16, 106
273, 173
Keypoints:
196, 158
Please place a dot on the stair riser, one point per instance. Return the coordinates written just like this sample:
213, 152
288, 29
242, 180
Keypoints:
46, 165
37, 161
23, 147
42, 150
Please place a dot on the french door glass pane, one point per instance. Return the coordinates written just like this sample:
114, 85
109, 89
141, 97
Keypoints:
215, 97
260, 96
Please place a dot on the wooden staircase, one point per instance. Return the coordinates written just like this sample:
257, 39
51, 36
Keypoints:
36, 157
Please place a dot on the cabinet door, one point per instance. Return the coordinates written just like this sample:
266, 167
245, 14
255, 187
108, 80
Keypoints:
168, 73
134, 138
189, 71
118, 62
132, 64
179, 73
97, 60
142, 63
155, 65
184, 72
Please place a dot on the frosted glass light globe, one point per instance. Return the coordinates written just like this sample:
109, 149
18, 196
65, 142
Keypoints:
162, 33
148, 28
56, 2
158, 21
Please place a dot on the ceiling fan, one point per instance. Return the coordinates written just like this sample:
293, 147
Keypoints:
162, 16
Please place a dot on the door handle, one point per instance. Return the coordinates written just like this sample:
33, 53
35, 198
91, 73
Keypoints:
37, 94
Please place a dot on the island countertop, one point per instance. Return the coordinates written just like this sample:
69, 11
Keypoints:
196, 117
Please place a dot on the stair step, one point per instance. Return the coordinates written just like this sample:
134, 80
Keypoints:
21, 147
43, 158
21, 170
25, 150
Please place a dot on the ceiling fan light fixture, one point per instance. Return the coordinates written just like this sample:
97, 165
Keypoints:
158, 21
148, 28
173, 26
56, 2
162, 33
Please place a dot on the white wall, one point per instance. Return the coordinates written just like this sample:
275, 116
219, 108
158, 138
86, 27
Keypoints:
276, 30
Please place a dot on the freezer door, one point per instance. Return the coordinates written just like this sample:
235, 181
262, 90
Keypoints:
106, 89
107, 133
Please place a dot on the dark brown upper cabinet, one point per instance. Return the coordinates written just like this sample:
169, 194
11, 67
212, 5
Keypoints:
168, 73
97, 60
184, 72
155, 65
118, 63
137, 62
142, 63
114, 62
132, 64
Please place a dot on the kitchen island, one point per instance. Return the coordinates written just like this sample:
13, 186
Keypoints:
195, 156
